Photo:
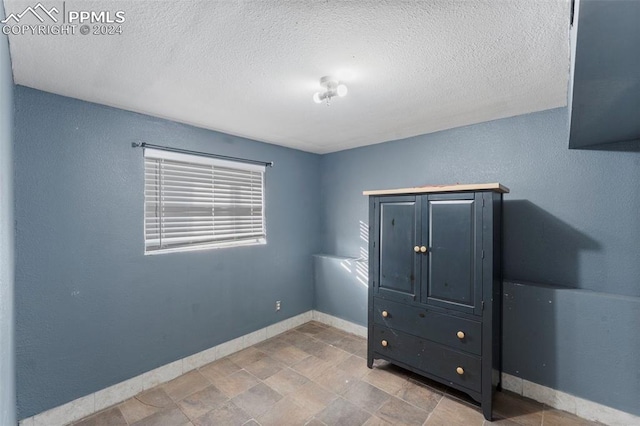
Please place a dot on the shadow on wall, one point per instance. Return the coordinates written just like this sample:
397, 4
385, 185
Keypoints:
340, 287
577, 341
341, 283
539, 247
556, 333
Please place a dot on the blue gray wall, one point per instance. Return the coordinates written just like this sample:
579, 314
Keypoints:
340, 287
92, 310
570, 226
606, 80
87, 297
7, 369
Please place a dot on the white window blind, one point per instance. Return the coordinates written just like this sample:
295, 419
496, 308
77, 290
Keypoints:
193, 202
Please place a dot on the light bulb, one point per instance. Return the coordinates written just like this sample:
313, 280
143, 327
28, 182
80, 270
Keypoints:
342, 90
316, 98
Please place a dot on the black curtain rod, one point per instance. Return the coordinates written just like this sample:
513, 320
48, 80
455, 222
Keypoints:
204, 154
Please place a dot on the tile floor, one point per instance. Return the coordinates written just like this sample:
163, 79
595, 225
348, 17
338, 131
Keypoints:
313, 375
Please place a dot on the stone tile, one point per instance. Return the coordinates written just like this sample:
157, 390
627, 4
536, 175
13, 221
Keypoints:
449, 412
442, 388
282, 338
257, 400
285, 412
458, 394
311, 328
597, 412
254, 338
376, 421
336, 380
218, 369
311, 346
289, 355
272, 345
420, 395
315, 422
118, 393
366, 396
162, 374
399, 412
342, 412
354, 345
311, 385
388, 379
511, 383
312, 396
228, 414
556, 417
247, 356
155, 397
227, 348
66, 413
294, 337
236, 383
332, 354
311, 367
331, 336
500, 421
201, 402
520, 410
199, 359
110, 417
355, 365
168, 417
279, 328
264, 367
134, 410
185, 385
286, 381
381, 363
551, 397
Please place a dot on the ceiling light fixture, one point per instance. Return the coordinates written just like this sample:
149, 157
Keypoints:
331, 88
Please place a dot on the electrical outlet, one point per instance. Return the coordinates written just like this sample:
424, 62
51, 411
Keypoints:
277, 305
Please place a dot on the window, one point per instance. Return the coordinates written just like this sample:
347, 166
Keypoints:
193, 202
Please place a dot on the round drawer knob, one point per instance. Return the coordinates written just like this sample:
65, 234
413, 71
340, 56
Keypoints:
385, 344
423, 249
416, 249
460, 334
385, 314
460, 370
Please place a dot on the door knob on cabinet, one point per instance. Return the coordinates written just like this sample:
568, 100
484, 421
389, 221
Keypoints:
460, 370
460, 334
416, 249
384, 343
385, 314
423, 249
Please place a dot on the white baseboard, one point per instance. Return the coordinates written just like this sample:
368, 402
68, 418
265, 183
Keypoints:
554, 398
566, 402
97, 401
341, 324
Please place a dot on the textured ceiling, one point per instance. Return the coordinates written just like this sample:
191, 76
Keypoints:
250, 68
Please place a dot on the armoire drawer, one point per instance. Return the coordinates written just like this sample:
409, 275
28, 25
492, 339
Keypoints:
458, 333
451, 365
